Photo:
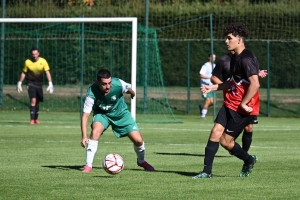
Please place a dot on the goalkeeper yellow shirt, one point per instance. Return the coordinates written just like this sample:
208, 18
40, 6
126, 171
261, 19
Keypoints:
34, 71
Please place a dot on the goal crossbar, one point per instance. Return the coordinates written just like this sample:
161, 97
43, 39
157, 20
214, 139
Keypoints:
133, 20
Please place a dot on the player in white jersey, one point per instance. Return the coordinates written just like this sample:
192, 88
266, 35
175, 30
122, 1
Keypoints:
105, 98
205, 74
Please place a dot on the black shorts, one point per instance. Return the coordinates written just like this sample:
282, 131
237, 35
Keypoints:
254, 120
232, 121
36, 92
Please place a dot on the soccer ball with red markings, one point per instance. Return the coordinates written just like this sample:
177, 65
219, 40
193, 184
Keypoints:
113, 163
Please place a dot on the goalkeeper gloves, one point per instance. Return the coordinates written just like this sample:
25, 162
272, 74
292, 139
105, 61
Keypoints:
50, 88
19, 87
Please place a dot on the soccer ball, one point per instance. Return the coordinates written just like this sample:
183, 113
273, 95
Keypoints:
113, 163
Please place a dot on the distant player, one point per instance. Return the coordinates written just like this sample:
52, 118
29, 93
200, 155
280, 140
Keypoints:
205, 75
33, 71
241, 102
105, 98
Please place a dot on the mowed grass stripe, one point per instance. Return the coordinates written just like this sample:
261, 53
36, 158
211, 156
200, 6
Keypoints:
45, 161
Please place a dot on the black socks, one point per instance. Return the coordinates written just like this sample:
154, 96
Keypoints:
32, 112
247, 140
241, 154
210, 152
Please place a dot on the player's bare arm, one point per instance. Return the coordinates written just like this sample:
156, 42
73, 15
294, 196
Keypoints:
131, 92
253, 88
208, 88
84, 120
48, 74
22, 77
215, 80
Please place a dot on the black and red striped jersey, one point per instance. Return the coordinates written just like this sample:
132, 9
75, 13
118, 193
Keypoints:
242, 66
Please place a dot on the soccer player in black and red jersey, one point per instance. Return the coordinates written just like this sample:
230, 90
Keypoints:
220, 74
241, 102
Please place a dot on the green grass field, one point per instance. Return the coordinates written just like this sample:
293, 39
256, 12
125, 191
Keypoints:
45, 161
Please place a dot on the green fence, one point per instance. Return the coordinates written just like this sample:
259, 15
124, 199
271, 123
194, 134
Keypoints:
178, 43
75, 52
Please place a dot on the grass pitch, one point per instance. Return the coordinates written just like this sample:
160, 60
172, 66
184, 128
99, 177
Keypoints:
45, 161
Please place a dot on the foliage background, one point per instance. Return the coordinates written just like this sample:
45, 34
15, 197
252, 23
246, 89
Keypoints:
178, 23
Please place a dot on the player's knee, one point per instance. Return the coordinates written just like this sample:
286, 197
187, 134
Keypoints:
136, 138
138, 143
216, 132
95, 136
249, 128
215, 135
227, 141
33, 102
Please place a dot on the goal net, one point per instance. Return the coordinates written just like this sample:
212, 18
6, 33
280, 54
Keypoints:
76, 48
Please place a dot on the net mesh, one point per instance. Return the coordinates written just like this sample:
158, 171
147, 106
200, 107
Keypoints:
183, 34
75, 52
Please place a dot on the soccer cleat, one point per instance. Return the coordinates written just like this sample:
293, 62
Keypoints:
146, 166
31, 121
37, 121
87, 169
203, 175
247, 169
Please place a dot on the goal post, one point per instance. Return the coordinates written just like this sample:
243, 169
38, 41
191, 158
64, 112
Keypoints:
132, 20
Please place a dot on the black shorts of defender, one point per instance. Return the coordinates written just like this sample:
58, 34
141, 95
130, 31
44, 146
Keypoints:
36, 92
232, 121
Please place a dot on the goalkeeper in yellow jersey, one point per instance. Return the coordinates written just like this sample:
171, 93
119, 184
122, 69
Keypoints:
33, 72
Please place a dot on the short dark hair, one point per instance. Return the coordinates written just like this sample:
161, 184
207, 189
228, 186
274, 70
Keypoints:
103, 73
34, 49
236, 29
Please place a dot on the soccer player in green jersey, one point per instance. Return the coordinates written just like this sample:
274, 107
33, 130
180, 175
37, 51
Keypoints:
33, 71
105, 98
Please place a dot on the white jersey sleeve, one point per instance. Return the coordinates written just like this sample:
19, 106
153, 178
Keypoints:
125, 86
206, 70
88, 104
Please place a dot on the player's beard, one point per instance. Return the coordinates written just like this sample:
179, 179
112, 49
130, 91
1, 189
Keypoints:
107, 91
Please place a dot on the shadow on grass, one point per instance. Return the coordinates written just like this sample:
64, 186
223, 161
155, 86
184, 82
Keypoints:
187, 154
17, 100
68, 167
182, 173
80, 167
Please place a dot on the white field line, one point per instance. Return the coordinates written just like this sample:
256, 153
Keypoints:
264, 128
150, 143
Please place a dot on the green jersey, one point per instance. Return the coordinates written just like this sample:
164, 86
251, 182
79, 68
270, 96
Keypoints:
111, 109
111, 104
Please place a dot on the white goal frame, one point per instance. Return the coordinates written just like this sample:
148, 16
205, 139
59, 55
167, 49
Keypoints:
133, 20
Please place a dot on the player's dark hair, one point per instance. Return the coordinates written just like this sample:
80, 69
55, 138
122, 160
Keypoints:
34, 49
103, 73
236, 29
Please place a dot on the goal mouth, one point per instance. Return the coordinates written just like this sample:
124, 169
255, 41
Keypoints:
76, 48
